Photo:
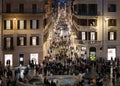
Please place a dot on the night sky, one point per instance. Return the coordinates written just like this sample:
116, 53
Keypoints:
62, 1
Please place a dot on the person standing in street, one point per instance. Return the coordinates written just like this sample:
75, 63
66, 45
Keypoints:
113, 81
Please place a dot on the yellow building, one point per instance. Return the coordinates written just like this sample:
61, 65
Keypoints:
97, 26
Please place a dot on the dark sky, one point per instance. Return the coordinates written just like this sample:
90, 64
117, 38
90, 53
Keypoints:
62, 1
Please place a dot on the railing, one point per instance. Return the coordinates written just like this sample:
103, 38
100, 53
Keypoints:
90, 42
10, 48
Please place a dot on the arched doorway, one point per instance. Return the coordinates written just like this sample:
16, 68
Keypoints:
92, 53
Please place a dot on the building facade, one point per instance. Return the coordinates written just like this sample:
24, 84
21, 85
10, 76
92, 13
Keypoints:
0, 30
48, 21
97, 27
22, 31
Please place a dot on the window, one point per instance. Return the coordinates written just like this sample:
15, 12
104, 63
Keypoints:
21, 8
112, 35
8, 24
21, 59
92, 22
83, 22
112, 22
34, 40
75, 8
87, 9
34, 8
84, 35
82, 9
92, 36
34, 24
8, 8
21, 24
8, 43
92, 9
112, 8
21, 41
87, 22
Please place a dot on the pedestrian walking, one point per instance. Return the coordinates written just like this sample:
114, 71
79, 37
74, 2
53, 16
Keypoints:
0, 81
113, 81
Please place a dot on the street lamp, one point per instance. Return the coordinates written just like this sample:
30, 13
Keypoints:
106, 19
14, 19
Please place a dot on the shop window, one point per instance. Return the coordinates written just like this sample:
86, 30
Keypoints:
21, 59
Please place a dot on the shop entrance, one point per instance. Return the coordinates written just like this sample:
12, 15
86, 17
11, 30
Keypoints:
92, 53
8, 58
34, 58
21, 59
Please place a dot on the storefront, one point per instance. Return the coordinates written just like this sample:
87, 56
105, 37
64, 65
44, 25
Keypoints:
21, 59
111, 53
8, 60
83, 52
34, 58
92, 53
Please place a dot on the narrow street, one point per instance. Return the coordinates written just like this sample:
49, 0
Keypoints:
62, 64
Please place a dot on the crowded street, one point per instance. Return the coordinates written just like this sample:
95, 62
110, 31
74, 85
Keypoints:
62, 65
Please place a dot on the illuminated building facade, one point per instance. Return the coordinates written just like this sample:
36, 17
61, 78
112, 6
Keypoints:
0, 30
97, 26
22, 31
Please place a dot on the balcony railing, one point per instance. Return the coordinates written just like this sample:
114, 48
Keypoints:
8, 48
89, 42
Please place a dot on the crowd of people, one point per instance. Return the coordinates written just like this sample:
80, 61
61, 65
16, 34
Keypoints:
66, 62
62, 60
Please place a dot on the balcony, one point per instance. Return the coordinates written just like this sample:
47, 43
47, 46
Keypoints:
8, 48
89, 42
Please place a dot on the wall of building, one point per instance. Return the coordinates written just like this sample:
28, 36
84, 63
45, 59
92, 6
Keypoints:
28, 51
0, 30
102, 27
